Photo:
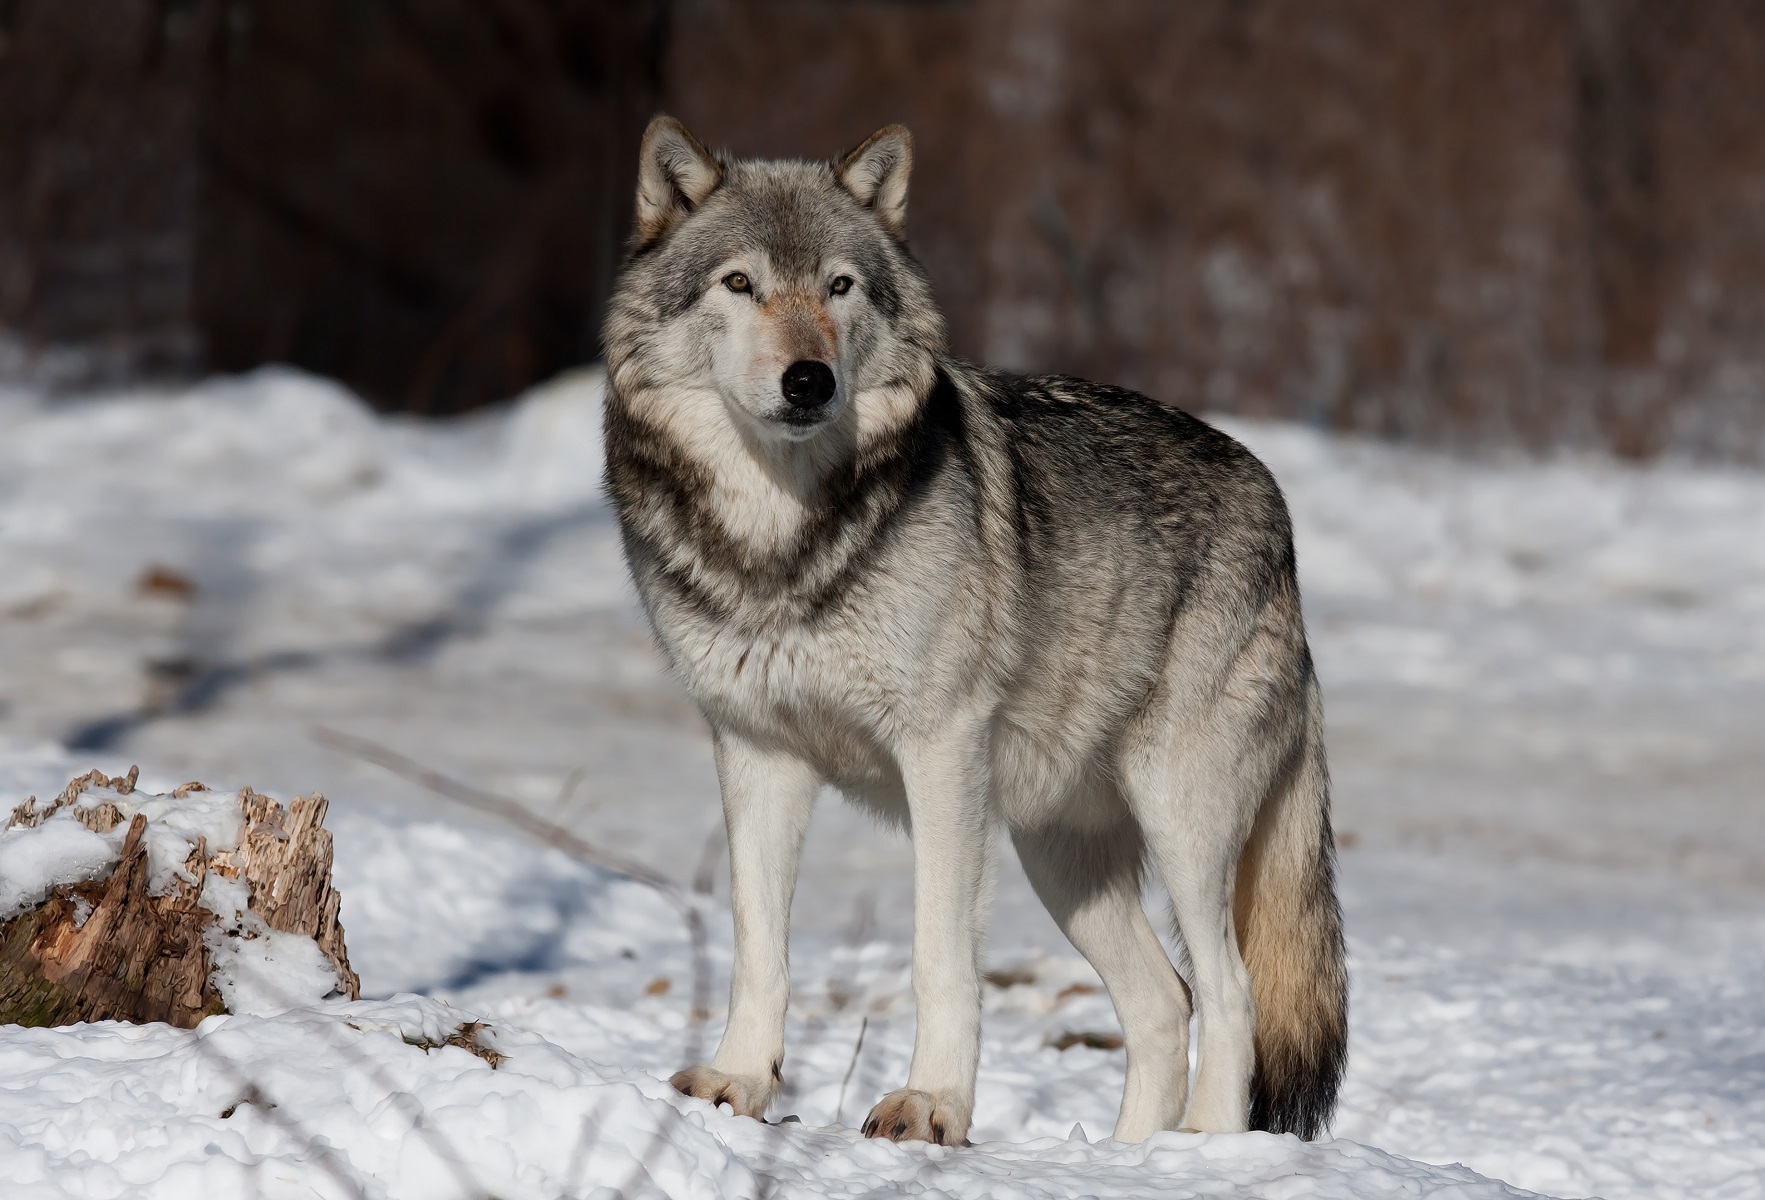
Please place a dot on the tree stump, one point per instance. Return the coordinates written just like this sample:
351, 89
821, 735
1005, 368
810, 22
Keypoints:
117, 949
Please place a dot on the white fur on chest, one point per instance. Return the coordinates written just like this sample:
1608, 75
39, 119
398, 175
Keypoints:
762, 488
792, 667
821, 690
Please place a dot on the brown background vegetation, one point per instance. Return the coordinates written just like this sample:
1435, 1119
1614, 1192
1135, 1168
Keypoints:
1515, 221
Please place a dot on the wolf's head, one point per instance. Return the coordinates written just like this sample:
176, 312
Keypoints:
773, 300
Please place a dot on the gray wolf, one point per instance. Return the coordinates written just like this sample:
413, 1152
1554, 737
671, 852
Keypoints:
970, 601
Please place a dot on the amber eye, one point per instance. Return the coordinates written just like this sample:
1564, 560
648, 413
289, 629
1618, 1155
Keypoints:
735, 281
841, 285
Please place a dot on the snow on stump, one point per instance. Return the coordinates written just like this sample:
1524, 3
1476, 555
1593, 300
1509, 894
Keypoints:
122, 905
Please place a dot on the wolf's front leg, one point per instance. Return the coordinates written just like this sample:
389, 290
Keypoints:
766, 801
947, 803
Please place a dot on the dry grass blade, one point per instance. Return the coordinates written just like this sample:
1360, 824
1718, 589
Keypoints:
465, 1037
839, 1110
1088, 1038
841, 989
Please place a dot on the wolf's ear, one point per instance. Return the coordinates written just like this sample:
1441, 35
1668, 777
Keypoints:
674, 175
876, 173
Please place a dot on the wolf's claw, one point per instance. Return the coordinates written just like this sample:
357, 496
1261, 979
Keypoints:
913, 1116
748, 1095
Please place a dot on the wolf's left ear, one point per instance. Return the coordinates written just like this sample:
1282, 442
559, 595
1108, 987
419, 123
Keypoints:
674, 175
876, 173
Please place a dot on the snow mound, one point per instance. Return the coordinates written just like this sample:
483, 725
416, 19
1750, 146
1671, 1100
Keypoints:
415, 1098
1376, 521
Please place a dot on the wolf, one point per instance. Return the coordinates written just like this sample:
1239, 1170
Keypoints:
968, 601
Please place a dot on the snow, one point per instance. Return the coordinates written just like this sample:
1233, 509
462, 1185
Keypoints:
1545, 684
370, 1101
260, 971
46, 844
62, 851
361, 1110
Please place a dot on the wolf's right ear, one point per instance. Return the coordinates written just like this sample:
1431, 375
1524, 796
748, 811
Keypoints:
674, 175
876, 175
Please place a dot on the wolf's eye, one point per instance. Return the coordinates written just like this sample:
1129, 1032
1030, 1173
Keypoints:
841, 285
735, 281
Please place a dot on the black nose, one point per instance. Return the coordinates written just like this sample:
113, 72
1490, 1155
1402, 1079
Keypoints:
808, 384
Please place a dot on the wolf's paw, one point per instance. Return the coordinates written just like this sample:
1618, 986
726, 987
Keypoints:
911, 1116
748, 1095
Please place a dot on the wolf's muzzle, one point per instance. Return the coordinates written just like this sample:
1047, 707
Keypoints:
807, 385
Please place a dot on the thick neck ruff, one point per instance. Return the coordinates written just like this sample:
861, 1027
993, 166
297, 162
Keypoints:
679, 541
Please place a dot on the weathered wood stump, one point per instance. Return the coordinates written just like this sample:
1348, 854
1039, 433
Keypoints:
113, 949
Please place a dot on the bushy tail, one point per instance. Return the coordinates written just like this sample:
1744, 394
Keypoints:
1290, 936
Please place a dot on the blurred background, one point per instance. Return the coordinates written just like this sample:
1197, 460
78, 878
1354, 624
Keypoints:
1515, 222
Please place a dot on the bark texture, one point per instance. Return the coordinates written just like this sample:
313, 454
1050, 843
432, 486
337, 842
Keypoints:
108, 950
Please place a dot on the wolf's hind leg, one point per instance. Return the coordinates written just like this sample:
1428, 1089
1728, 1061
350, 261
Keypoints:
767, 797
1090, 883
1195, 786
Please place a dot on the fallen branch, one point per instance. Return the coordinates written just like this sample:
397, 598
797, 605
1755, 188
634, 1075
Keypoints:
556, 836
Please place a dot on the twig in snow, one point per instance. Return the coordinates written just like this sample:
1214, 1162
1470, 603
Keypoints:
557, 836
839, 1110
705, 878
842, 987
322, 1153
565, 805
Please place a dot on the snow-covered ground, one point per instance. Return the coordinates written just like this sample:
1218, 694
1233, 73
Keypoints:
1546, 692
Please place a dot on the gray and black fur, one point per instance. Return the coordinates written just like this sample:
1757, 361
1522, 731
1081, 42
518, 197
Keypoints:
1098, 588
